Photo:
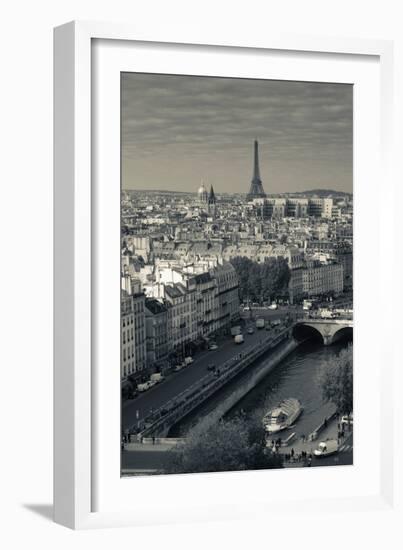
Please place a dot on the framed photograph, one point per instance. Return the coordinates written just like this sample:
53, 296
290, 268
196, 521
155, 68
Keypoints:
216, 209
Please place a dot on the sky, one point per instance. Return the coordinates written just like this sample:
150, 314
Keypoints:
179, 130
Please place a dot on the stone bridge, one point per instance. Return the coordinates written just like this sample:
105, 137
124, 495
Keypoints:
331, 330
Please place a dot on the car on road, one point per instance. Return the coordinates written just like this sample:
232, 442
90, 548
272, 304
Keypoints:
260, 323
347, 419
157, 377
273, 305
326, 448
144, 386
213, 346
250, 330
239, 339
211, 367
179, 366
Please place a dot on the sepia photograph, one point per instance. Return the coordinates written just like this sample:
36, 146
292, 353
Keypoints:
236, 274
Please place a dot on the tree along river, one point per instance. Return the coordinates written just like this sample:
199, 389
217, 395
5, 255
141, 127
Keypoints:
296, 376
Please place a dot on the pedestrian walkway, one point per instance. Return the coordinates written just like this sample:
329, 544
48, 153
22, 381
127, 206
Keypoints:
296, 454
345, 448
299, 450
138, 472
149, 446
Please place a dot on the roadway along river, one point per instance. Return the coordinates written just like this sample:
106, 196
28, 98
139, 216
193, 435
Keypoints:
295, 376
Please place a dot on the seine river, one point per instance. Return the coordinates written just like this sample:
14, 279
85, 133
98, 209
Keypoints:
296, 376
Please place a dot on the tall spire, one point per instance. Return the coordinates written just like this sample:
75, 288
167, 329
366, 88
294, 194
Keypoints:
212, 202
256, 188
211, 198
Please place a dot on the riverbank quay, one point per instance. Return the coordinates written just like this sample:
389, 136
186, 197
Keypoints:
156, 444
149, 456
248, 383
279, 343
201, 351
135, 411
299, 451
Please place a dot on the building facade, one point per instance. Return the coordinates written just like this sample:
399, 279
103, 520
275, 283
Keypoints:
206, 303
319, 278
227, 296
296, 285
133, 331
293, 207
344, 255
179, 321
157, 333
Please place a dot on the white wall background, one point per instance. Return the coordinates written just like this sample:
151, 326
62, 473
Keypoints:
26, 274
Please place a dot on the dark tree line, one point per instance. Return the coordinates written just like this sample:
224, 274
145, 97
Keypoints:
262, 281
336, 381
229, 445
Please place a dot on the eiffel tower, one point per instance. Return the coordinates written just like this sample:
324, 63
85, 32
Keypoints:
256, 188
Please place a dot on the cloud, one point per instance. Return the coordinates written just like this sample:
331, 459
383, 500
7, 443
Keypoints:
168, 120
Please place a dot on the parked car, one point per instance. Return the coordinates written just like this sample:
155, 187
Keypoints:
188, 360
179, 366
347, 419
239, 339
211, 367
273, 305
144, 386
326, 448
260, 323
213, 346
156, 377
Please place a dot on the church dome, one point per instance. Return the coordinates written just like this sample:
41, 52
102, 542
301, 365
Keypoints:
202, 193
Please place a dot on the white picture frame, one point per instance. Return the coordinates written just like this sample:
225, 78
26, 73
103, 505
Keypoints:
88, 491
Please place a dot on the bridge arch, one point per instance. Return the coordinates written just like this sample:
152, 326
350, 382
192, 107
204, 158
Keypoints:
344, 333
330, 332
307, 332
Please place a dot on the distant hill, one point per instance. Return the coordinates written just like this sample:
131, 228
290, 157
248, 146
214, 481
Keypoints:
322, 193
158, 191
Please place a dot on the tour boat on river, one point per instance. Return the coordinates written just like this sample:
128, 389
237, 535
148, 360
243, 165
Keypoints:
282, 416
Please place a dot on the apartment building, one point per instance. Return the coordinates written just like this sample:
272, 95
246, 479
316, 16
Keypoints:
133, 332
